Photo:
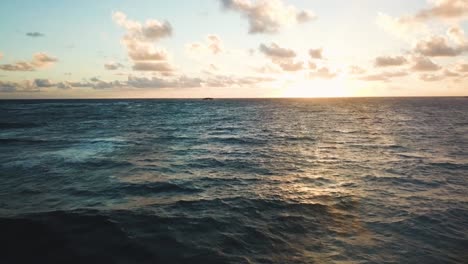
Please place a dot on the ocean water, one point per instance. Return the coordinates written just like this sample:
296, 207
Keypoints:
381, 180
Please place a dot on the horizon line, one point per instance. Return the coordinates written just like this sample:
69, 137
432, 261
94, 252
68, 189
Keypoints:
230, 98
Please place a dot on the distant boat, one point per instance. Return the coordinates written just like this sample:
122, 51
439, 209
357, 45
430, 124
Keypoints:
208, 99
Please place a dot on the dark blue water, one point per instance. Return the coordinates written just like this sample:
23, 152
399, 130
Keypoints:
234, 181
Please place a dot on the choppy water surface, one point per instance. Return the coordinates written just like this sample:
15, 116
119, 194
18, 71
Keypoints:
234, 181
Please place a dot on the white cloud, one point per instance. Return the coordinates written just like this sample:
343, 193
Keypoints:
323, 73
387, 61
212, 44
402, 27
316, 53
39, 60
268, 16
424, 64
152, 66
383, 76
438, 46
139, 41
274, 51
444, 9
111, 66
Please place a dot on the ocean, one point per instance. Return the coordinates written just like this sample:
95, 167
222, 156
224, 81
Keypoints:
357, 180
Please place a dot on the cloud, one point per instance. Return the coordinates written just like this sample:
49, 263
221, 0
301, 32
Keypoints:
282, 57
112, 66
43, 83
276, 52
431, 77
268, 16
155, 82
462, 67
457, 35
401, 27
383, 76
35, 34
152, 30
42, 59
144, 51
153, 66
24, 86
356, 70
445, 9
230, 81
213, 44
39, 60
322, 73
135, 82
387, 61
64, 86
269, 69
1, 55
18, 66
139, 41
438, 77
7, 87
437, 46
312, 65
292, 66
316, 53
94, 83
424, 64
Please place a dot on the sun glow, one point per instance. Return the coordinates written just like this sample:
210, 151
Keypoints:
317, 88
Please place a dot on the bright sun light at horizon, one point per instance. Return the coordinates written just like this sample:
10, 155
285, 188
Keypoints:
317, 88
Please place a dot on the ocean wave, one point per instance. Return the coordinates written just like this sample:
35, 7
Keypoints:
18, 141
14, 125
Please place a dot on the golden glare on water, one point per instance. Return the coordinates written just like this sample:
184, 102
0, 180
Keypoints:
317, 88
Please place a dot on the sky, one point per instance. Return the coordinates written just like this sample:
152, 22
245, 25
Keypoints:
232, 48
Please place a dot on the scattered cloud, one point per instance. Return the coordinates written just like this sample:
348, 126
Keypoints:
7, 87
462, 67
139, 41
235, 81
144, 51
23, 86
312, 65
155, 82
152, 30
269, 69
274, 51
429, 77
402, 27
39, 60
153, 66
268, 16
387, 61
383, 76
292, 66
43, 83
457, 35
444, 9
35, 34
316, 53
282, 57
438, 46
323, 73
213, 44
112, 66
424, 64
356, 70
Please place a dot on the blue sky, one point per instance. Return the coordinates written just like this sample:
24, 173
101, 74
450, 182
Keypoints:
82, 36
